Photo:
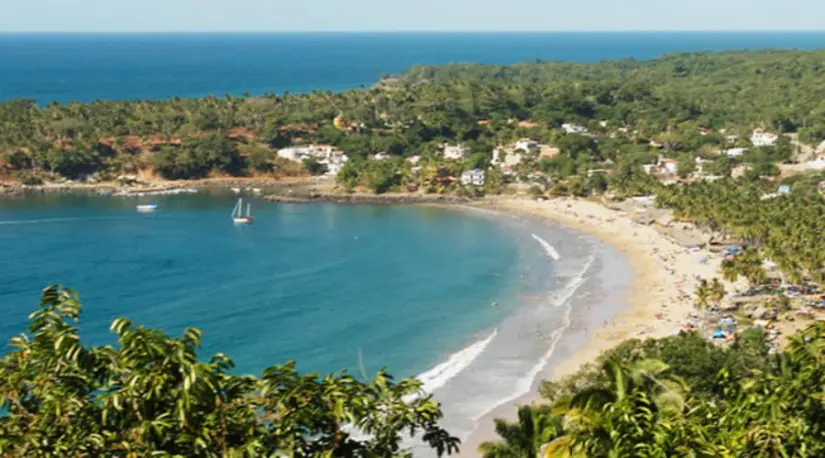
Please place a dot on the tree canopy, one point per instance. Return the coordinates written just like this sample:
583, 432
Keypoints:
152, 395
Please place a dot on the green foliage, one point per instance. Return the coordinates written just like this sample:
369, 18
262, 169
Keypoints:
199, 157
668, 99
314, 167
786, 229
150, 395
682, 396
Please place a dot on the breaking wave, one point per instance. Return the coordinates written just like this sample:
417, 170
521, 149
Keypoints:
441, 374
547, 247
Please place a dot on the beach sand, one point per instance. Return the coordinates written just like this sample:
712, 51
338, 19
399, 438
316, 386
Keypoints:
664, 278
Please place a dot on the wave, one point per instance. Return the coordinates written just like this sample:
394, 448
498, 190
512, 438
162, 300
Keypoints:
441, 374
547, 247
525, 383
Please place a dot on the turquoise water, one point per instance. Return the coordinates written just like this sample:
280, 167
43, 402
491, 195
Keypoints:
478, 305
316, 283
49, 67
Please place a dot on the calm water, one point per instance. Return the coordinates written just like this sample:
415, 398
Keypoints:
472, 303
87, 67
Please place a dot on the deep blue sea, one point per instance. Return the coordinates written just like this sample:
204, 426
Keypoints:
78, 67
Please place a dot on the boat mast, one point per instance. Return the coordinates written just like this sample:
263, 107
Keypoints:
238, 209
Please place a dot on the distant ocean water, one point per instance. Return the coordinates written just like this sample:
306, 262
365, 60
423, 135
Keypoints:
86, 67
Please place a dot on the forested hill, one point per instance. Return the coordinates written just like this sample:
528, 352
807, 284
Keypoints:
781, 89
191, 138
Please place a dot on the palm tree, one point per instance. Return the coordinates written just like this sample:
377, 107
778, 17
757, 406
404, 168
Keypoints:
621, 412
526, 437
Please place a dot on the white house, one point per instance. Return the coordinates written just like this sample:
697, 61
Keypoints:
669, 165
526, 144
381, 156
473, 177
821, 147
334, 168
299, 153
570, 128
735, 152
457, 152
762, 138
413, 159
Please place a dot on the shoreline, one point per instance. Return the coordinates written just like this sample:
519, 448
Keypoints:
654, 307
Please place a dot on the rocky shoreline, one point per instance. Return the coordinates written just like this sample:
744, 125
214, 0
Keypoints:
9, 189
363, 198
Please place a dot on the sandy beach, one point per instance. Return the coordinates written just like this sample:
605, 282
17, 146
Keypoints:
664, 278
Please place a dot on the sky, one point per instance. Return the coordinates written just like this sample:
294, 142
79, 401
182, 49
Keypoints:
406, 15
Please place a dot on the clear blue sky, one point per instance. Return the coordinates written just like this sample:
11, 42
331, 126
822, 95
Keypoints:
406, 15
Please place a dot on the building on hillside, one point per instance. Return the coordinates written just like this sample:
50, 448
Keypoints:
735, 152
731, 138
762, 138
821, 148
457, 152
570, 128
784, 189
668, 165
413, 159
473, 177
526, 144
381, 156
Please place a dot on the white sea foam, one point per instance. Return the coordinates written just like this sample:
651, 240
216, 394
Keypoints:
439, 375
524, 384
547, 247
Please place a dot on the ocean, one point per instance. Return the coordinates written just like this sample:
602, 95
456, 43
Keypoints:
475, 304
86, 67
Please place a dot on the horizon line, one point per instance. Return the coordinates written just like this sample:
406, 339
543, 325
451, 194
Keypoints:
411, 31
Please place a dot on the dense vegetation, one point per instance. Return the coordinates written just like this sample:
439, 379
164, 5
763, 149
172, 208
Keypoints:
150, 395
665, 99
680, 396
785, 229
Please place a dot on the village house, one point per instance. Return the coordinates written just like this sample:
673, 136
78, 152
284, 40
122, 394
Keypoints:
570, 128
473, 177
821, 148
663, 166
413, 159
526, 144
735, 152
731, 138
457, 152
762, 138
381, 156
331, 157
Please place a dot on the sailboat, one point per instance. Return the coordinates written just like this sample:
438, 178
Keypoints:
238, 216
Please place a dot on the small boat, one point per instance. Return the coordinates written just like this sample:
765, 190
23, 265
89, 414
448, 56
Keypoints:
238, 216
147, 208
236, 190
